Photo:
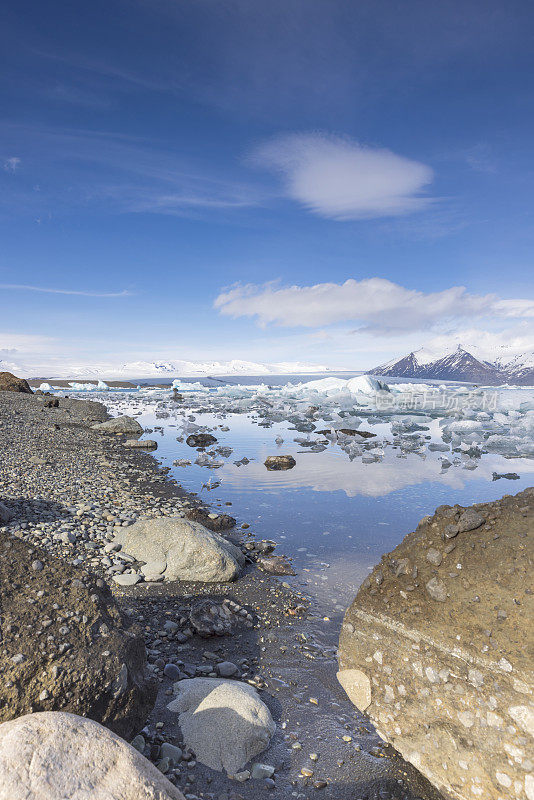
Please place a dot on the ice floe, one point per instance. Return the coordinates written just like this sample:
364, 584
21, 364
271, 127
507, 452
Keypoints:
412, 418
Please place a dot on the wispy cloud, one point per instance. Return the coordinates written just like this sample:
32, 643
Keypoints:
341, 179
79, 292
121, 173
11, 164
379, 305
77, 95
481, 158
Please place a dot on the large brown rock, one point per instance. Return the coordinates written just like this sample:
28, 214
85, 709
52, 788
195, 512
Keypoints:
65, 645
438, 649
10, 383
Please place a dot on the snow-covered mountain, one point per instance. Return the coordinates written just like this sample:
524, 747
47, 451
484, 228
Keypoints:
193, 369
155, 369
459, 364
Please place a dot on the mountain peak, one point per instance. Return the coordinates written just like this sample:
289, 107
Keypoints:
459, 364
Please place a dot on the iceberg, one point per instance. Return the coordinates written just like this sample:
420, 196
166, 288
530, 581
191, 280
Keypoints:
326, 386
362, 384
82, 387
366, 384
182, 386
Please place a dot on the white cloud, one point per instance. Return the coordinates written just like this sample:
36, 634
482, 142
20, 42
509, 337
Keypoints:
514, 308
11, 164
15, 344
81, 292
381, 305
122, 174
341, 179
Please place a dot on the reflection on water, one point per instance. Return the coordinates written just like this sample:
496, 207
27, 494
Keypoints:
334, 516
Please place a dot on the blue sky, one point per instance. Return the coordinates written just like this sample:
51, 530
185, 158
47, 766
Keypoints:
206, 176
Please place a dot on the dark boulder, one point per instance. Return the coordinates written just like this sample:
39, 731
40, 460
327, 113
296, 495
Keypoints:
274, 463
10, 383
351, 432
200, 440
220, 522
66, 646
210, 617
6, 515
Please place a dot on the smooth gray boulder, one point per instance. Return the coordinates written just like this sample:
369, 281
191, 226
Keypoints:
224, 722
53, 756
118, 425
186, 550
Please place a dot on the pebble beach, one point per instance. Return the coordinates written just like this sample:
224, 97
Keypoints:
70, 491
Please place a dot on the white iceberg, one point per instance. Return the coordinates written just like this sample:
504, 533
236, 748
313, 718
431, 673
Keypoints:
366, 384
183, 386
82, 387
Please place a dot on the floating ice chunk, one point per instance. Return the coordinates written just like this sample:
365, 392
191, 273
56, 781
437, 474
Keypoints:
102, 386
407, 424
82, 387
325, 386
465, 426
204, 460
189, 387
366, 384
410, 388
506, 445
470, 464
45, 387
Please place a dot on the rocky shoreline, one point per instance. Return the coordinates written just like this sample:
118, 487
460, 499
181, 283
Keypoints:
70, 491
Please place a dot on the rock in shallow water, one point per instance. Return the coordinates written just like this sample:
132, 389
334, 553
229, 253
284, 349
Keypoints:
211, 521
200, 440
274, 463
276, 565
224, 722
55, 756
439, 656
118, 425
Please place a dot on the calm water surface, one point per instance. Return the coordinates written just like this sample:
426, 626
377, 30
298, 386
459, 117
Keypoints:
334, 516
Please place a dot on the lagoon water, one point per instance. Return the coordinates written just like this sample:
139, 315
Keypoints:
333, 516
